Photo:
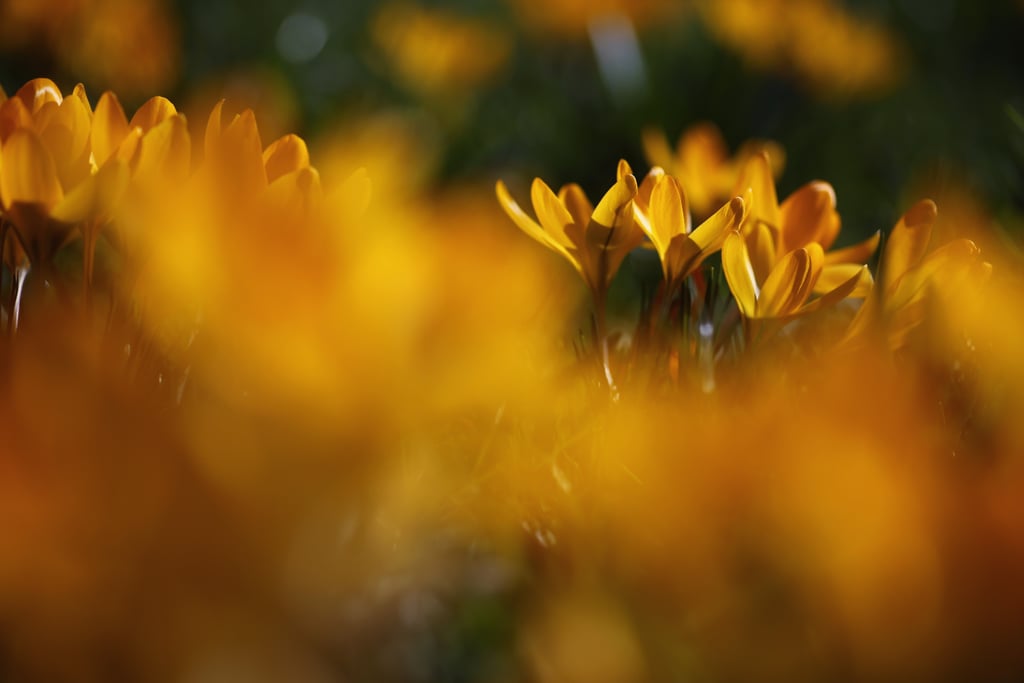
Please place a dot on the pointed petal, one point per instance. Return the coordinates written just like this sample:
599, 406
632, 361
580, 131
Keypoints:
780, 288
808, 215
757, 176
236, 155
551, 212
97, 197
164, 153
835, 274
739, 274
65, 133
527, 224
211, 141
30, 176
908, 242
609, 211
761, 243
668, 214
285, 155
687, 252
643, 193
857, 285
941, 264
155, 111
83, 98
576, 202
109, 127
623, 169
710, 234
856, 253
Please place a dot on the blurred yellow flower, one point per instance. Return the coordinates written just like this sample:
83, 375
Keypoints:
574, 17
909, 272
835, 52
130, 45
435, 51
702, 164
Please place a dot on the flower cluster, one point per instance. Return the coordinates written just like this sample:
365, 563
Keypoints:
777, 258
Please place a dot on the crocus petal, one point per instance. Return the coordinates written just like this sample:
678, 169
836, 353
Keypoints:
761, 243
940, 264
780, 288
211, 141
857, 285
668, 214
710, 234
37, 93
79, 94
65, 133
576, 202
96, 198
739, 274
908, 242
285, 155
30, 176
241, 142
13, 115
757, 176
109, 127
527, 224
835, 274
808, 215
856, 253
164, 152
643, 193
687, 252
553, 215
609, 212
155, 111
815, 264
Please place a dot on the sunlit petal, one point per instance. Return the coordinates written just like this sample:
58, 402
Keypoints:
740, 274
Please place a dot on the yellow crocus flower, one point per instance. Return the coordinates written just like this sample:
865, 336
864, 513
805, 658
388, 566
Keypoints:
663, 214
784, 293
701, 162
594, 240
808, 216
909, 271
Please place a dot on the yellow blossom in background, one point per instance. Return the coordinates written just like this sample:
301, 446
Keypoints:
833, 51
575, 17
437, 52
701, 162
132, 46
